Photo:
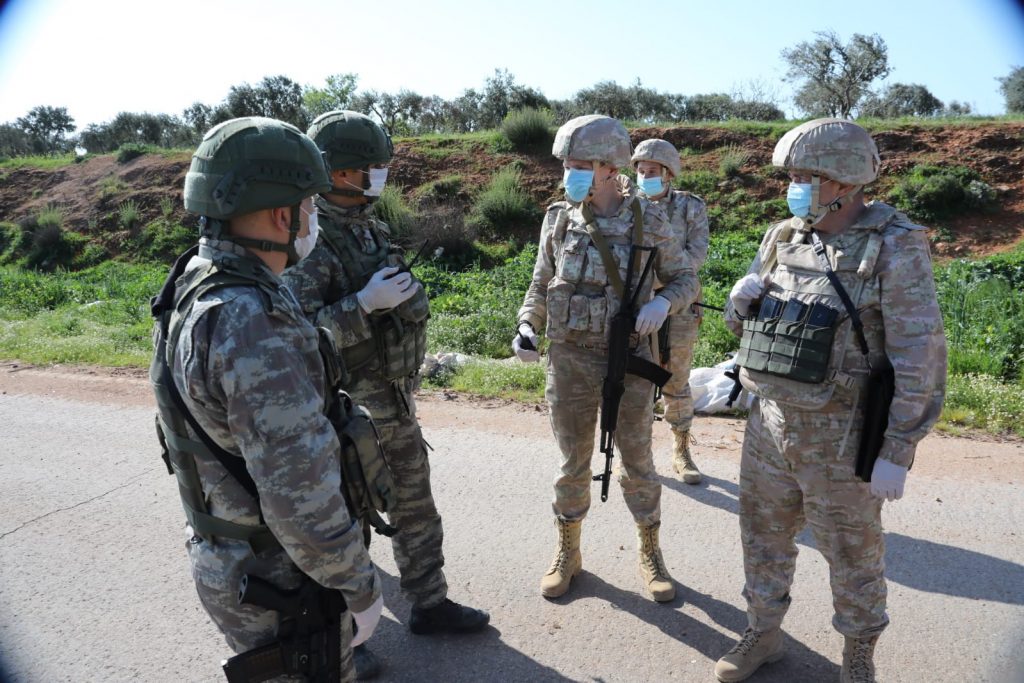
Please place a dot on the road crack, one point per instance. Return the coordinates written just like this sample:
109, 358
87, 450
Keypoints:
72, 507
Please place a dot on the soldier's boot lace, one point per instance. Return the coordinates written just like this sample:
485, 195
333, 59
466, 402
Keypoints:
567, 563
858, 660
653, 572
753, 649
682, 460
448, 617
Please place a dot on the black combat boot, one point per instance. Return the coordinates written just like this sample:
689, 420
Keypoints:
366, 663
448, 617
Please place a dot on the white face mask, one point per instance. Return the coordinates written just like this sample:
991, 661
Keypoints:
378, 177
304, 245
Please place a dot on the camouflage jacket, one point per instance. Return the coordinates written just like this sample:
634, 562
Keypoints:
326, 291
688, 216
901, 317
248, 367
570, 292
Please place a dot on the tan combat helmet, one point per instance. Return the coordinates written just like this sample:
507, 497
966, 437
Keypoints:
837, 149
593, 138
658, 151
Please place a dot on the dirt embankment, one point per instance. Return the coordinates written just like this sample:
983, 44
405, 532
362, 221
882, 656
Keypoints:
91, 191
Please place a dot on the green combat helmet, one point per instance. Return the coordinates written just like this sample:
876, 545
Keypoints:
349, 139
593, 138
658, 151
248, 164
835, 148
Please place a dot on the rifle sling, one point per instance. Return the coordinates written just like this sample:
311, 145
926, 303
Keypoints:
858, 325
611, 267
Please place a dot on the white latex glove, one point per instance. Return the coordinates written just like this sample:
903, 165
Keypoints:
384, 292
887, 480
366, 621
652, 315
747, 289
525, 332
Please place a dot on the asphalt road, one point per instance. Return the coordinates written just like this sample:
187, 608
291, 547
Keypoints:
94, 582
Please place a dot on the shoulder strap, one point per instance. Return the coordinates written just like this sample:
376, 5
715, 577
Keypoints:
858, 325
611, 267
772, 257
234, 464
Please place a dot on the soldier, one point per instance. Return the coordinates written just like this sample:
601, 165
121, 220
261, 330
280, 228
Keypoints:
656, 163
572, 295
243, 362
354, 284
804, 358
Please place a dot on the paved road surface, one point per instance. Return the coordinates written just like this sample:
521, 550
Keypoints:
94, 582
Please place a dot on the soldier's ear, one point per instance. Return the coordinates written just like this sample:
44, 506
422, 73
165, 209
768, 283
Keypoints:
281, 218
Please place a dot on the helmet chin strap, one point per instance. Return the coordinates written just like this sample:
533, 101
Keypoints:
269, 245
818, 210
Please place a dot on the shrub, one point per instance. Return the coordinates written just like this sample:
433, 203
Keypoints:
528, 127
163, 240
53, 248
110, 186
128, 214
937, 192
166, 207
731, 161
441, 190
503, 210
699, 182
444, 226
392, 208
52, 215
130, 150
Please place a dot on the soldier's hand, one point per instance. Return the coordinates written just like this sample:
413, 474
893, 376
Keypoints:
385, 290
747, 289
366, 621
887, 480
525, 343
652, 316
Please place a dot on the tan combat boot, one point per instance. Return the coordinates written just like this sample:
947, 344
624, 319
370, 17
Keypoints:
653, 571
754, 649
682, 462
567, 563
858, 660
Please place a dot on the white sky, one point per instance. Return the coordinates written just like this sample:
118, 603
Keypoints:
100, 57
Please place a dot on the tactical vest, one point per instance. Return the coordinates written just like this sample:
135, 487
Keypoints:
368, 481
793, 348
399, 341
581, 298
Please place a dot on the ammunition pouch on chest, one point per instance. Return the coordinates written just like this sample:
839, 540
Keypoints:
793, 348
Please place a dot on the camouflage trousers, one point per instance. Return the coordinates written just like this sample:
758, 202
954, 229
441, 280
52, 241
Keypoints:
417, 545
573, 390
676, 394
792, 471
246, 627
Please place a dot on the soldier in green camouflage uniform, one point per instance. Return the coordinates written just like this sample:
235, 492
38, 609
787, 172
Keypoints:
803, 432
657, 163
571, 294
352, 285
245, 361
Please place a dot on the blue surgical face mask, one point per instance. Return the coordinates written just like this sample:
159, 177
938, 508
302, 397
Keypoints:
799, 199
650, 185
578, 182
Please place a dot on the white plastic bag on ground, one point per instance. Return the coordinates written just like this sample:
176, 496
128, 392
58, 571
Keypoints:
710, 388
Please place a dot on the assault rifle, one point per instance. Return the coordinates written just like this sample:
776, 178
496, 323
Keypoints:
309, 635
622, 360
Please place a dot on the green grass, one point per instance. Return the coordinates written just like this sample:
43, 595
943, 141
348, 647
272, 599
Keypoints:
44, 161
984, 402
502, 379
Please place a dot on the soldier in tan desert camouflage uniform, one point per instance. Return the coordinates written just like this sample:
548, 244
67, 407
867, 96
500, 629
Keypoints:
571, 294
657, 163
247, 365
805, 364
354, 283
